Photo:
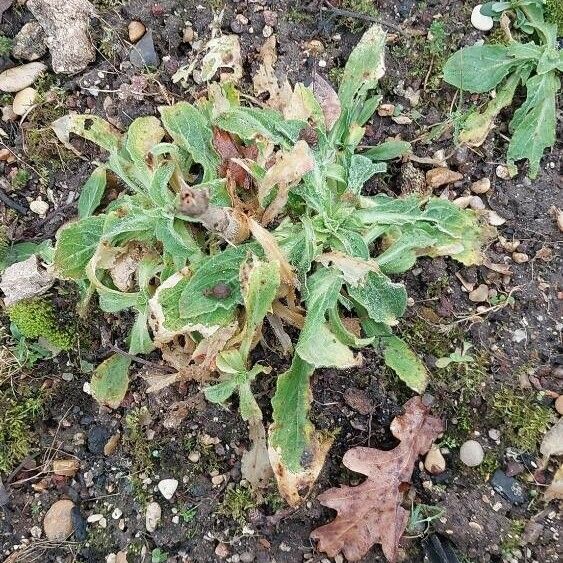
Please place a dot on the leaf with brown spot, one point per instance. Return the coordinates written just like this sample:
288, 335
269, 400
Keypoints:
328, 100
371, 512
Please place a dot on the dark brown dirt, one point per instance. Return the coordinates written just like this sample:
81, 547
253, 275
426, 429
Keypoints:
479, 523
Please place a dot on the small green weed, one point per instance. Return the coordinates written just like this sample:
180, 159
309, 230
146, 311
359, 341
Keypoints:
522, 419
5, 46
535, 63
421, 518
236, 504
135, 439
20, 179
20, 409
363, 7
512, 541
298, 15
158, 555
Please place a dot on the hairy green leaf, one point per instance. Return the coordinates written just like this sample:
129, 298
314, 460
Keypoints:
534, 122
388, 150
110, 380
92, 192
292, 430
90, 127
364, 68
75, 246
405, 363
191, 131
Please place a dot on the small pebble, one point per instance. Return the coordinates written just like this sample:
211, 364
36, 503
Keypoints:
24, 100
502, 172
434, 461
476, 202
136, 30
39, 207
481, 186
495, 219
479, 21
222, 550
386, 110
194, 456
471, 453
559, 404
117, 513
520, 257
58, 520
153, 515
167, 488
494, 434
480, 294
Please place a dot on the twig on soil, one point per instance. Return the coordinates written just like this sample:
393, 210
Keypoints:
359, 16
9, 202
142, 361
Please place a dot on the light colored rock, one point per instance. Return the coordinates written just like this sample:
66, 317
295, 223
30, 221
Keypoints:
222, 550
194, 456
167, 488
36, 532
66, 467
67, 25
441, 176
434, 461
20, 77
479, 21
559, 404
57, 523
217, 479
503, 172
117, 513
481, 186
8, 114
520, 257
29, 43
479, 294
24, 100
153, 515
471, 453
24, 280
476, 203
93, 518
136, 30
462, 202
386, 110
495, 219
39, 207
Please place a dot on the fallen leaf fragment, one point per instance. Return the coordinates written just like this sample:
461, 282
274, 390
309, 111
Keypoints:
255, 463
371, 512
24, 280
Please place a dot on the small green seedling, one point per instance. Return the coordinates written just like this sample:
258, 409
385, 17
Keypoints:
501, 69
460, 356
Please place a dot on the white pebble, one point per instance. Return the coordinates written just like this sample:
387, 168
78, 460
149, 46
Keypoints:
152, 516
479, 21
167, 488
471, 453
39, 207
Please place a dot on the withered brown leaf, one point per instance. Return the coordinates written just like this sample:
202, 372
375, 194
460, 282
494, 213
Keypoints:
371, 512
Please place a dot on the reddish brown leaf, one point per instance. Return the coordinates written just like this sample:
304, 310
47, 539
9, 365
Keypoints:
228, 148
371, 512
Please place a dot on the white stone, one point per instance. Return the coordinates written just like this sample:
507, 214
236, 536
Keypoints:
152, 516
479, 21
39, 207
117, 513
167, 488
93, 518
24, 100
471, 453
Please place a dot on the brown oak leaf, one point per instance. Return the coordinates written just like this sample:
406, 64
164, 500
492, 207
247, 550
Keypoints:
371, 512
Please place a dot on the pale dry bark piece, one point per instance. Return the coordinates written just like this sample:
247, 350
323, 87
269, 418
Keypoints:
371, 512
66, 24
24, 280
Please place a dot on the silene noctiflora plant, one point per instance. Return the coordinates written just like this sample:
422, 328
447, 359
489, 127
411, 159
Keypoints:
233, 216
535, 64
